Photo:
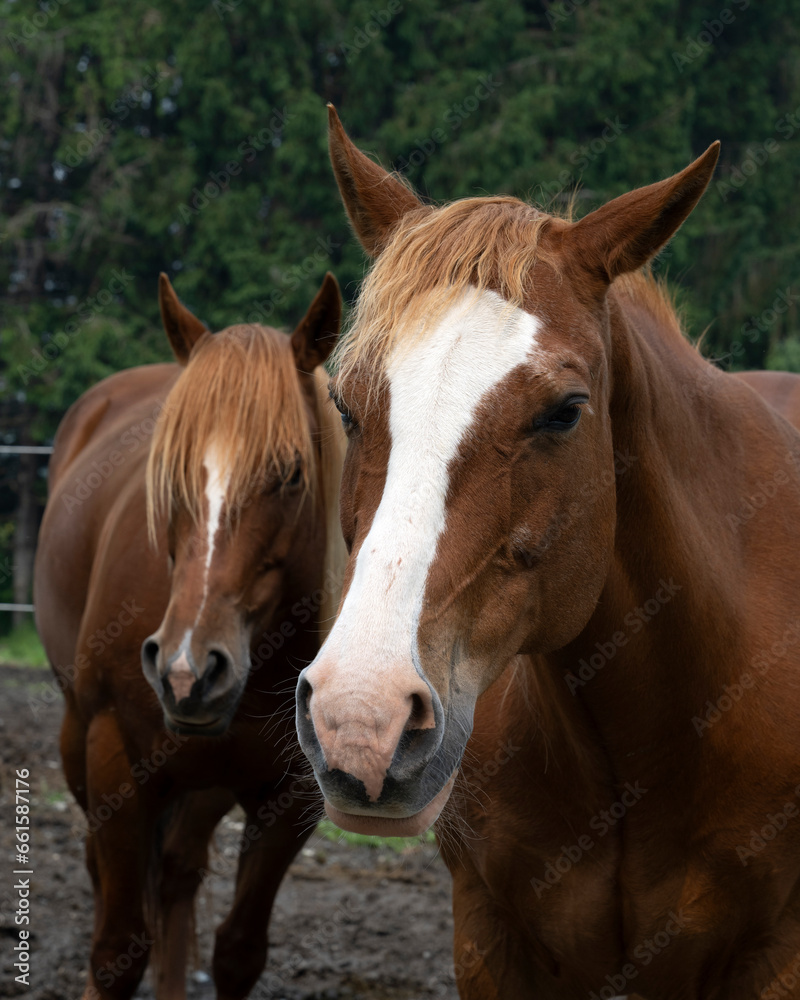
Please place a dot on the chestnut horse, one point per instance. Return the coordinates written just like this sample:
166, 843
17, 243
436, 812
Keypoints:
575, 544
236, 584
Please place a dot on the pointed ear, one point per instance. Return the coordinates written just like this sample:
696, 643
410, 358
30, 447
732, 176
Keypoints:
375, 200
318, 331
624, 234
183, 328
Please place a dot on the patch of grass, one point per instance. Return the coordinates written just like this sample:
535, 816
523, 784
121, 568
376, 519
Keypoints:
330, 831
22, 646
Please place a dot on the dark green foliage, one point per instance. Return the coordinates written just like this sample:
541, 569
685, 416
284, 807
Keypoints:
190, 137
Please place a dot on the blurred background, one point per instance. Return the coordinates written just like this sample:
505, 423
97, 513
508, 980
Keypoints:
191, 137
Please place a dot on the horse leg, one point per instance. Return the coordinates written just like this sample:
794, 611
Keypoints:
118, 847
73, 759
268, 846
184, 855
73, 753
490, 960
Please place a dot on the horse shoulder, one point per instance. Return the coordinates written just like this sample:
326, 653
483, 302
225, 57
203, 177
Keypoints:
780, 389
98, 407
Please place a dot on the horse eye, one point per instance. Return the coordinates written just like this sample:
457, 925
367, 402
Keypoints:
568, 416
296, 477
346, 415
565, 417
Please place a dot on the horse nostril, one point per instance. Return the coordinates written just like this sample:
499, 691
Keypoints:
417, 712
422, 714
217, 664
304, 691
150, 651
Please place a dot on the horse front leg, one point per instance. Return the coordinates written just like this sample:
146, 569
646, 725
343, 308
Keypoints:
184, 857
272, 836
118, 848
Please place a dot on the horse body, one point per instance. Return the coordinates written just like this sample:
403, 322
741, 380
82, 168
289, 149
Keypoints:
618, 520
136, 754
654, 748
780, 389
88, 433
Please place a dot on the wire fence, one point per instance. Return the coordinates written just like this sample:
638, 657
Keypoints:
23, 449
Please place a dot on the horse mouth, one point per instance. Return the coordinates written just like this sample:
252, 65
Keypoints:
390, 826
188, 727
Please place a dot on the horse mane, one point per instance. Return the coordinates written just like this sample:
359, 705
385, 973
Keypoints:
654, 294
434, 256
437, 254
241, 388
333, 444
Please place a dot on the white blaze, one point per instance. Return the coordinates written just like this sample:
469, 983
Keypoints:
216, 487
435, 389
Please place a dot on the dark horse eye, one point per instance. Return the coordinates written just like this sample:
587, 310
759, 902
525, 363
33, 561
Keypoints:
562, 419
347, 417
296, 477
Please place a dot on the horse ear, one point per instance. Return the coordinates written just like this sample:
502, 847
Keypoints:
624, 234
375, 200
183, 328
318, 331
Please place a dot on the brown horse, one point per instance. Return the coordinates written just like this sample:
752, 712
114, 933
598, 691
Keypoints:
574, 544
780, 389
236, 584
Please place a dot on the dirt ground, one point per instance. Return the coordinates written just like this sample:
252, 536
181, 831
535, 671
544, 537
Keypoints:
350, 922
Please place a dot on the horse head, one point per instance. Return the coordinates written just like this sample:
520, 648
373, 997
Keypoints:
236, 482
478, 498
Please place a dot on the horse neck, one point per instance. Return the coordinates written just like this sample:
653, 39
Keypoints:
673, 625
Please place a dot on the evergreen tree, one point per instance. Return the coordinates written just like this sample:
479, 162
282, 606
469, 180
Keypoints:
191, 138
